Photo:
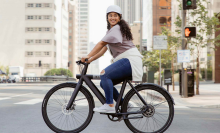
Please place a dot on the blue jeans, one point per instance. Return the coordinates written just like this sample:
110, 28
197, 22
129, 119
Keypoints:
114, 74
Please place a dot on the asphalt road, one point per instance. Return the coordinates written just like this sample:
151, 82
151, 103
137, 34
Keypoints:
20, 112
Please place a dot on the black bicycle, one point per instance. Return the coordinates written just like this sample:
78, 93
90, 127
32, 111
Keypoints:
68, 107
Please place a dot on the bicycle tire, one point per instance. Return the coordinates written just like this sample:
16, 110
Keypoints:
56, 100
152, 115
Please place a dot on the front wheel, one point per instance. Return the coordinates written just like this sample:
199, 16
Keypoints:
73, 120
160, 111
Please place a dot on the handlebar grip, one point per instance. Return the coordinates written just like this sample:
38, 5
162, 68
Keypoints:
86, 59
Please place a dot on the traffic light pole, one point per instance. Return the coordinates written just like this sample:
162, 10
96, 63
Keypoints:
184, 71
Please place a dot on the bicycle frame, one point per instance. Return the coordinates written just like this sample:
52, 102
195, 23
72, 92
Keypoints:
99, 95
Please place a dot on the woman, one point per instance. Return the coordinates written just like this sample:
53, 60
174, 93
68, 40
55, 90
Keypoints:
126, 62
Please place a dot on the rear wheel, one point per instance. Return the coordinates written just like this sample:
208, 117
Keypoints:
160, 111
73, 120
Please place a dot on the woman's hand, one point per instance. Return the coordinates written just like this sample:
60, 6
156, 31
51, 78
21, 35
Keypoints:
86, 57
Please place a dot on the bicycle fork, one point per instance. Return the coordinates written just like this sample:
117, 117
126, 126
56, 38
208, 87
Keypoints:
75, 92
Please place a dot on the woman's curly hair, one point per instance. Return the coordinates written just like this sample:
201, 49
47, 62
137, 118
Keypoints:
125, 30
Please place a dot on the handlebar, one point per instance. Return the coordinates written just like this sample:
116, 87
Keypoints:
80, 62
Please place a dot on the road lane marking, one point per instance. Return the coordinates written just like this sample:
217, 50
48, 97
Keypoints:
30, 102
5, 98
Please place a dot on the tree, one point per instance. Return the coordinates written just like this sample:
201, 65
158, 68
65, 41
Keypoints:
151, 60
173, 42
59, 71
206, 28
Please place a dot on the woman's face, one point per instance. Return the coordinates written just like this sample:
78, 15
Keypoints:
113, 18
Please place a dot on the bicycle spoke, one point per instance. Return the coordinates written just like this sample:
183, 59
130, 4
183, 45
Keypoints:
158, 114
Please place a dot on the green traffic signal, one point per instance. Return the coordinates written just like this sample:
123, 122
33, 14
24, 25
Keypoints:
189, 2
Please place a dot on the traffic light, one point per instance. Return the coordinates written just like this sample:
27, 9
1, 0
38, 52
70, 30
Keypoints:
189, 4
190, 32
39, 63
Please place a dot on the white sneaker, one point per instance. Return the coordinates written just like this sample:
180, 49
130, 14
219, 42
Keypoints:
105, 109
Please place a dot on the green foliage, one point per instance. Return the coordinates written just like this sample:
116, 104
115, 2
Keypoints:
5, 69
59, 71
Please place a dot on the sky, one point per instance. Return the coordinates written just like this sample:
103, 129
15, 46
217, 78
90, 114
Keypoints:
98, 27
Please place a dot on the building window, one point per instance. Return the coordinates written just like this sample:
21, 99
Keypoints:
55, 19
30, 17
46, 53
30, 5
47, 41
29, 53
163, 20
70, 49
46, 5
47, 29
55, 31
55, 43
83, 17
69, 56
83, 5
30, 29
30, 41
70, 37
37, 41
70, 43
38, 5
70, 18
70, 12
70, 25
46, 65
83, 9
82, 21
46, 17
83, 13
37, 53
29, 65
70, 31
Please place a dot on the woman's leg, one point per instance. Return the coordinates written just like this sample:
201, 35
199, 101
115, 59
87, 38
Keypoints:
118, 70
115, 91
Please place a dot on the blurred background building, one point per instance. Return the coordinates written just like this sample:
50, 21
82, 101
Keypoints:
73, 37
33, 31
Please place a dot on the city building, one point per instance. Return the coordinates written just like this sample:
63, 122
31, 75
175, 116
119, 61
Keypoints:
156, 14
83, 29
135, 30
94, 66
130, 9
34, 31
73, 37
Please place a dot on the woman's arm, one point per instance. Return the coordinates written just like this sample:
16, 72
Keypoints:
99, 54
97, 48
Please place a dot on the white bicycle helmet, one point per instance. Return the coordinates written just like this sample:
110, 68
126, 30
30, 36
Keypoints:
114, 8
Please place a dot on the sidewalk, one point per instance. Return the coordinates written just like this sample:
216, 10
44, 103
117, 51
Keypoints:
209, 96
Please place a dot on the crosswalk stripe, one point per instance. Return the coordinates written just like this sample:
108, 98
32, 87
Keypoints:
5, 98
181, 107
30, 102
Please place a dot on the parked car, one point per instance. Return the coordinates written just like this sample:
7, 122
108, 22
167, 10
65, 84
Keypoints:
10, 80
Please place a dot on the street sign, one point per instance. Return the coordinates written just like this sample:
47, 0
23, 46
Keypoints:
183, 56
144, 42
167, 77
160, 42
